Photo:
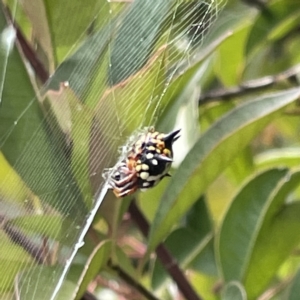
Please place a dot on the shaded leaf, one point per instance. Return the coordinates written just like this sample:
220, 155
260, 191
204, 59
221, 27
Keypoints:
57, 29
275, 17
247, 211
46, 225
294, 290
280, 227
38, 282
217, 148
96, 261
143, 37
25, 139
234, 291
265, 221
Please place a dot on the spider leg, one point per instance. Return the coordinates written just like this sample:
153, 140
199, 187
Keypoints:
119, 192
124, 180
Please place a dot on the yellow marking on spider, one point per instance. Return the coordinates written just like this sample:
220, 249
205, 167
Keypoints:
167, 152
144, 175
145, 167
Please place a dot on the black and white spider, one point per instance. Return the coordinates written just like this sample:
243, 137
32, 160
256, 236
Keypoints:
148, 161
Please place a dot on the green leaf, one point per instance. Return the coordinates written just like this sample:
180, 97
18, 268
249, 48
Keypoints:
205, 260
56, 30
241, 167
270, 20
234, 291
96, 261
184, 245
280, 227
198, 218
81, 68
26, 142
53, 227
285, 157
187, 244
178, 93
75, 121
143, 37
211, 155
38, 282
16, 191
125, 262
228, 66
12, 259
235, 243
294, 290
265, 220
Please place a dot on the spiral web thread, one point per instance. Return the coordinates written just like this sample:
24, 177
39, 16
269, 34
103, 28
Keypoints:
85, 95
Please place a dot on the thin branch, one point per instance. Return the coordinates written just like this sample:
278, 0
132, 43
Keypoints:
273, 291
123, 289
249, 86
259, 4
17, 237
27, 49
88, 296
167, 260
132, 282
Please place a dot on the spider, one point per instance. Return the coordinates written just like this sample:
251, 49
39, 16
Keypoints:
148, 161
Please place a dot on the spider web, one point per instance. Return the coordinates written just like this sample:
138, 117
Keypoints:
109, 80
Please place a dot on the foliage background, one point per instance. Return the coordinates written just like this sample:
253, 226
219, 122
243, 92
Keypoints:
229, 217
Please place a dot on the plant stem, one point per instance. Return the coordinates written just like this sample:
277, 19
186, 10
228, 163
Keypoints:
88, 296
19, 238
27, 50
132, 282
167, 260
249, 86
273, 291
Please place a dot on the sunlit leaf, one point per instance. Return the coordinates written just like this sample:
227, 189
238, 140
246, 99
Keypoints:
96, 261
12, 259
285, 157
52, 27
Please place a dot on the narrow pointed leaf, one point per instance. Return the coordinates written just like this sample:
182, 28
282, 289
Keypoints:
96, 261
294, 291
211, 155
255, 225
242, 223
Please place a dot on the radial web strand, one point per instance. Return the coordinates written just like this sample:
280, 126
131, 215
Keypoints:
111, 69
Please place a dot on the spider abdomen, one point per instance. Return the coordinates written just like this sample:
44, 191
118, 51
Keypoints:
146, 164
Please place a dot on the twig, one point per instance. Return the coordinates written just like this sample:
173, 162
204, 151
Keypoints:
131, 281
273, 291
249, 86
123, 289
16, 236
164, 256
259, 4
88, 296
27, 50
